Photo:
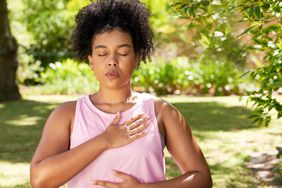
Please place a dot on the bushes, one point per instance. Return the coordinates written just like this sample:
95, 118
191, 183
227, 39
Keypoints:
218, 77
179, 76
67, 77
208, 76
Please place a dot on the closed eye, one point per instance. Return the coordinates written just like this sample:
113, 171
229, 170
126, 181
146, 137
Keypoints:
123, 54
100, 55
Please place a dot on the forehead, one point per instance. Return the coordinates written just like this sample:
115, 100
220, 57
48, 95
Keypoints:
112, 38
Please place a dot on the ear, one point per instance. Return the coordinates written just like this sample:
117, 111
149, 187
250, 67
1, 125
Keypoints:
90, 60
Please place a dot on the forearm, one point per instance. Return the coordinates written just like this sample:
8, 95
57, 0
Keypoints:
187, 180
56, 170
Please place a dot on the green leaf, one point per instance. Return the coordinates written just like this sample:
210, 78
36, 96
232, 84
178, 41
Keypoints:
279, 115
257, 12
247, 30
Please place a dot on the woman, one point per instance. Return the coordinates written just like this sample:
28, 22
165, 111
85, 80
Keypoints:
115, 137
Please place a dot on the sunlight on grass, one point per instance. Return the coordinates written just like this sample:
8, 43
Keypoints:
13, 174
51, 98
23, 121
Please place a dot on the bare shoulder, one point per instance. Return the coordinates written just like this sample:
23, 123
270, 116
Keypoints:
165, 109
61, 117
66, 107
64, 111
174, 123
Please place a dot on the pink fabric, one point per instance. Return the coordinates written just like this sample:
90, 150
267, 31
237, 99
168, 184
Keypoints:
142, 158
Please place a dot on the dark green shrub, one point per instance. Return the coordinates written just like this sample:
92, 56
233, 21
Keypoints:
179, 76
67, 77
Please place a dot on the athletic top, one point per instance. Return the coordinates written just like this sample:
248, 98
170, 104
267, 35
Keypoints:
142, 158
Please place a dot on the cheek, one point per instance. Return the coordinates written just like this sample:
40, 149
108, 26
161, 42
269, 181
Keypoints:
97, 71
127, 68
130, 64
95, 74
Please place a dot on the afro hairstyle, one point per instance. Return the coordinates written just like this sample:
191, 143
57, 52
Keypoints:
129, 16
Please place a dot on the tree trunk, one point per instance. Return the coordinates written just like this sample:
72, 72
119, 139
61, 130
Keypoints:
8, 58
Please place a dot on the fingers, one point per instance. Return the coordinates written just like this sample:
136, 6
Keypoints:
138, 135
106, 184
138, 122
116, 119
139, 128
137, 118
134, 128
122, 175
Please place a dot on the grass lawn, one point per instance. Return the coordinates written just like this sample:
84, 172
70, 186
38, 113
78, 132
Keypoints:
220, 125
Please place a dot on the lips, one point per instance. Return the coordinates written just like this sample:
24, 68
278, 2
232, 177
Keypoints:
112, 74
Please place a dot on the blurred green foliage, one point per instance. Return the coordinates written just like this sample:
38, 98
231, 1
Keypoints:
179, 76
47, 25
212, 25
213, 34
263, 19
43, 30
266, 30
67, 77
50, 23
162, 21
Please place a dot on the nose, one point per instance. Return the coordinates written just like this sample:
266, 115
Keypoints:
113, 61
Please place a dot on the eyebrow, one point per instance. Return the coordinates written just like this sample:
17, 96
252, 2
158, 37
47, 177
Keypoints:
119, 46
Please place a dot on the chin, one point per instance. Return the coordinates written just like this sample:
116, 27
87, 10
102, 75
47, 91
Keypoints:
117, 85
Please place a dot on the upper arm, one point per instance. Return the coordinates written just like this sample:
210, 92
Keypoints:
179, 140
55, 137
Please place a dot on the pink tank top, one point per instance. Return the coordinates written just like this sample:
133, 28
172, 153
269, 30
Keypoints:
142, 158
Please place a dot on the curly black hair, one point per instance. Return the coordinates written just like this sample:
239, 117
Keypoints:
130, 16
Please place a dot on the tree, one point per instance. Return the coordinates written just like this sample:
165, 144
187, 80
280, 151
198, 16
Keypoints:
50, 24
8, 58
264, 20
265, 26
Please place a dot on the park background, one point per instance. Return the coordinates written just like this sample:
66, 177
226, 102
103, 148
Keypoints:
218, 62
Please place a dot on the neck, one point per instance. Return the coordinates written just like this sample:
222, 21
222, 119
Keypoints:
112, 96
